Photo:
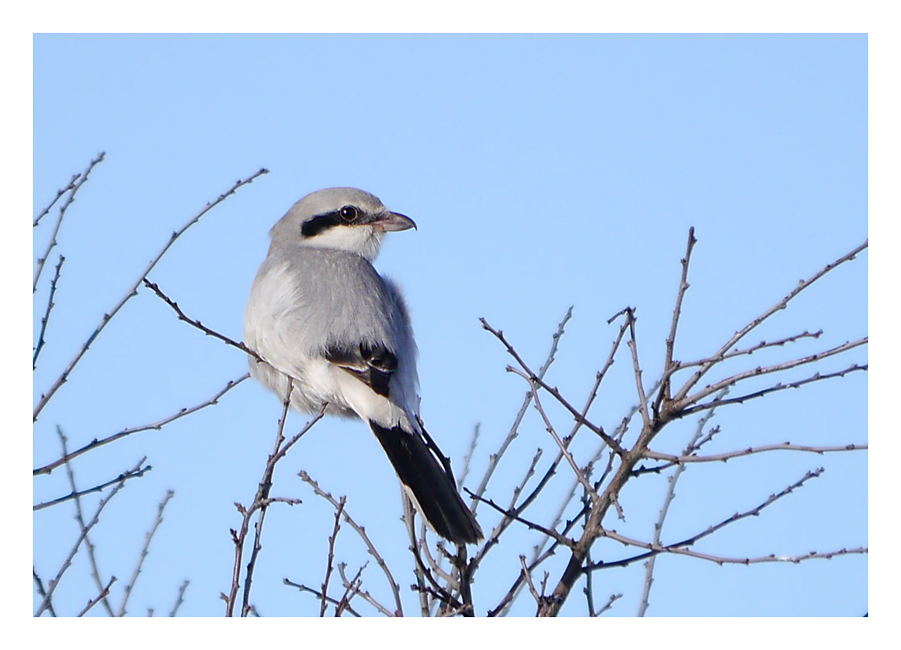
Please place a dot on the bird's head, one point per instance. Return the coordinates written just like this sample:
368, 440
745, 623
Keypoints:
341, 218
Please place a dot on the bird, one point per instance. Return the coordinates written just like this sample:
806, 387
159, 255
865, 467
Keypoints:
331, 330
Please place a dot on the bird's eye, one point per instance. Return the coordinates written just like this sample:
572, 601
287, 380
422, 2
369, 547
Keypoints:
348, 213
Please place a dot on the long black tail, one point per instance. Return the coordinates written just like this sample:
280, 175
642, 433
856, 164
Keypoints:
432, 486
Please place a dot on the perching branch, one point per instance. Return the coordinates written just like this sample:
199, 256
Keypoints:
196, 323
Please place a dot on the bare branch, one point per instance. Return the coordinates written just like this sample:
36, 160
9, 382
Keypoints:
565, 541
47, 469
772, 389
763, 345
495, 458
306, 478
667, 501
39, 585
409, 517
331, 553
636, 368
613, 598
137, 472
261, 502
352, 588
51, 587
467, 459
563, 450
785, 446
133, 291
782, 304
144, 549
319, 595
59, 193
74, 186
180, 599
79, 517
101, 596
527, 576
553, 391
680, 547
677, 312
46, 317
196, 323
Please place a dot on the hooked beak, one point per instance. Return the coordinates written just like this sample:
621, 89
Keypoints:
393, 221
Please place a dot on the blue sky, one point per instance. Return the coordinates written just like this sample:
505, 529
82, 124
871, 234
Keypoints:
543, 171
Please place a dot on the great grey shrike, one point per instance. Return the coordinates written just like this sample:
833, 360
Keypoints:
321, 314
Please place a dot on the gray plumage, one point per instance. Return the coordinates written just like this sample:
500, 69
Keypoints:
320, 313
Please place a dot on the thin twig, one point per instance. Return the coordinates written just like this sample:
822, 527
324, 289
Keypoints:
261, 503
144, 550
74, 186
494, 459
550, 429
361, 531
39, 585
667, 502
613, 598
771, 389
677, 312
528, 579
763, 345
503, 606
782, 304
196, 323
51, 587
48, 468
138, 472
133, 291
101, 596
560, 539
409, 517
636, 369
79, 517
59, 193
680, 547
553, 391
319, 595
351, 588
467, 459
331, 552
785, 446
46, 318
180, 599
